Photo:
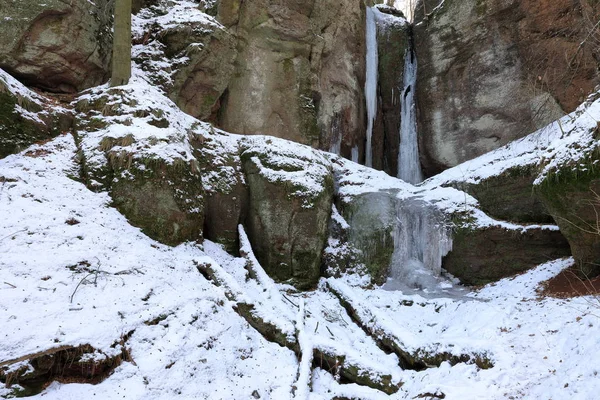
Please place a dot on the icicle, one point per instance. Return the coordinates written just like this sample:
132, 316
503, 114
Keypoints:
371, 81
409, 166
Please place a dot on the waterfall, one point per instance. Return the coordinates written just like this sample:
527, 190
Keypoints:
371, 81
409, 166
421, 240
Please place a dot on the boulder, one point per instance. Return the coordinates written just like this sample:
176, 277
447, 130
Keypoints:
290, 200
372, 218
509, 196
26, 117
56, 45
491, 72
225, 189
299, 73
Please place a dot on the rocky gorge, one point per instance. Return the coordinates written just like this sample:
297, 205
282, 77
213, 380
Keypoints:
321, 140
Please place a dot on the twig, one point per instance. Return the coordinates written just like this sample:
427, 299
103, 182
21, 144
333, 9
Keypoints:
11, 285
22, 230
80, 282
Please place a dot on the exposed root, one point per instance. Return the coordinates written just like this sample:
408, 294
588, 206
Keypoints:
419, 359
325, 358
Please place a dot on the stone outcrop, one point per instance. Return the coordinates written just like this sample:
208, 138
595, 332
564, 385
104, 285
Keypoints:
162, 194
509, 196
57, 45
290, 199
491, 72
299, 73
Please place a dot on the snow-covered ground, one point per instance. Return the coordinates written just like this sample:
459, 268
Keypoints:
75, 272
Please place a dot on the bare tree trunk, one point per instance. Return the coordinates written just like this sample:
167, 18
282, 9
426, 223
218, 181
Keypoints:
121, 59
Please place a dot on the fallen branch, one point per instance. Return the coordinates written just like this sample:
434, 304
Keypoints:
418, 359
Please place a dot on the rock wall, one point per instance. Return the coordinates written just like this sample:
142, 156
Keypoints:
57, 45
491, 72
299, 73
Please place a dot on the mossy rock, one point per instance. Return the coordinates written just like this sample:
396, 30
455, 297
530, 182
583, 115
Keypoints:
226, 193
571, 194
164, 200
18, 131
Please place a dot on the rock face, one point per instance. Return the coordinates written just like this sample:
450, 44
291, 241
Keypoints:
299, 73
56, 45
491, 72
291, 195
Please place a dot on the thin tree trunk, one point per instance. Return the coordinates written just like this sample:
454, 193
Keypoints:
121, 60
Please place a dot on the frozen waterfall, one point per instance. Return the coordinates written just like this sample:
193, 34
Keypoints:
371, 81
421, 240
409, 166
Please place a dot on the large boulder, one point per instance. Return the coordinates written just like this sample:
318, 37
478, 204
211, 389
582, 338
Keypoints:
185, 52
494, 71
574, 201
26, 117
299, 73
57, 45
290, 200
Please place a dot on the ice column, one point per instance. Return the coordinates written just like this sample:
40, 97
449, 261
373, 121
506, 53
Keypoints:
409, 166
